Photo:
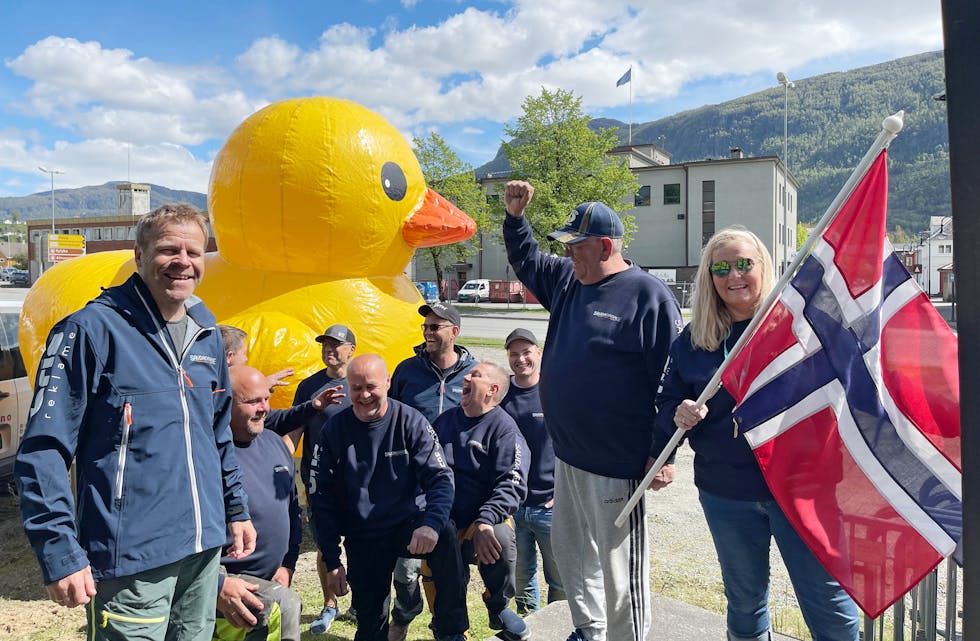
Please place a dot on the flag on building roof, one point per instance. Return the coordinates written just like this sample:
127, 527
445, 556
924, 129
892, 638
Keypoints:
848, 393
626, 77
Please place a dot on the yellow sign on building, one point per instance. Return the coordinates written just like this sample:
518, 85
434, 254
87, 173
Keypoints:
64, 246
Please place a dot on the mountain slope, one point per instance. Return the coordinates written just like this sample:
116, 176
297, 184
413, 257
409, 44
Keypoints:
97, 200
833, 118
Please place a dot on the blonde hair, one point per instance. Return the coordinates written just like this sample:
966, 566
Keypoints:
711, 323
150, 225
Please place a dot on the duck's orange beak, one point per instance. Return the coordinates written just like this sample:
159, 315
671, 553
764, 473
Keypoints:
437, 222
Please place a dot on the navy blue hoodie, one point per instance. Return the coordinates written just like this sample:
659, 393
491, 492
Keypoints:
488, 457
607, 346
147, 424
366, 476
417, 382
723, 463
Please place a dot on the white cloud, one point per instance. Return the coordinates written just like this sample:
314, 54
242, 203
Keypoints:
474, 65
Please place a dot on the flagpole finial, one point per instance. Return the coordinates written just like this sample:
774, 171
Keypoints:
894, 123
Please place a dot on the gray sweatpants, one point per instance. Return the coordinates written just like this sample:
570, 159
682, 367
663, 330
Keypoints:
605, 569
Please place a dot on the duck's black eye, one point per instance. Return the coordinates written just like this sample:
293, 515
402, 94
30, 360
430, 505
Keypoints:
393, 181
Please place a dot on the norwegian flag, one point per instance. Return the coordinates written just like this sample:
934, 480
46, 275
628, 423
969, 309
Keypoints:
848, 394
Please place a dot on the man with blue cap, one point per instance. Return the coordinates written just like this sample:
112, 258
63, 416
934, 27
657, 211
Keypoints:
609, 334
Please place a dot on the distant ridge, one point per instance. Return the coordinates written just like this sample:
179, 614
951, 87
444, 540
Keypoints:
833, 118
84, 202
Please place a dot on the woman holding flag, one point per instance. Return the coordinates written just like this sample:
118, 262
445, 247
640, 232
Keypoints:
734, 277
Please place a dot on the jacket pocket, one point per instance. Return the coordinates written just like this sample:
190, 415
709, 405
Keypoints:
123, 453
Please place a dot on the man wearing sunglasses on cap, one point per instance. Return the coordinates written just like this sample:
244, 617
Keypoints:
610, 330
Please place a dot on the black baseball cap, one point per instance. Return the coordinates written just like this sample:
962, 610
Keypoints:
520, 334
589, 220
442, 310
340, 333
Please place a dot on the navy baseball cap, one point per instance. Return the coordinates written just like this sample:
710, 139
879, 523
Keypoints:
340, 333
589, 220
442, 310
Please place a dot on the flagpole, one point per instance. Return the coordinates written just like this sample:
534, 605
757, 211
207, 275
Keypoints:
630, 83
889, 129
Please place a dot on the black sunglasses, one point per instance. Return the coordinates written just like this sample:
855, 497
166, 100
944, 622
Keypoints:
723, 268
434, 327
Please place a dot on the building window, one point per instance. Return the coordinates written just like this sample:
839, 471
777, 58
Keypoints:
642, 197
672, 194
119, 233
707, 211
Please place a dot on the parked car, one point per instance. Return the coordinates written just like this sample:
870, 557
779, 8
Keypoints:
15, 390
474, 291
20, 278
427, 290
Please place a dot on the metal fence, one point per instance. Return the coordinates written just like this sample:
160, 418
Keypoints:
932, 610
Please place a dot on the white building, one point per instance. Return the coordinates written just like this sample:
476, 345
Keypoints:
935, 251
677, 208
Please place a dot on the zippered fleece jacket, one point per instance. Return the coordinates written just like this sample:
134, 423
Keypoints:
147, 423
418, 383
605, 352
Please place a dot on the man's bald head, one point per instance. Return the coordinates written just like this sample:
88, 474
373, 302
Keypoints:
250, 402
368, 382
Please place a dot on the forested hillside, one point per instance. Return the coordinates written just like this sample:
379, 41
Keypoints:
833, 118
97, 200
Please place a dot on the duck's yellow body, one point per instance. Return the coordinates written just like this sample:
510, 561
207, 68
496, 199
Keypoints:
316, 205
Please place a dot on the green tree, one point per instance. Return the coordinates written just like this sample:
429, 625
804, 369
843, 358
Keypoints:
446, 173
553, 148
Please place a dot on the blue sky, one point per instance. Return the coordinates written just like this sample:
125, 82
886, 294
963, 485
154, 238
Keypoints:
149, 91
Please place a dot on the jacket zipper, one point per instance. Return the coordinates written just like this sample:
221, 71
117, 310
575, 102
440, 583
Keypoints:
123, 451
177, 363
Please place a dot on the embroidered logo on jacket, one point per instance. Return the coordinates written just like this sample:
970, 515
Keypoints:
203, 358
607, 316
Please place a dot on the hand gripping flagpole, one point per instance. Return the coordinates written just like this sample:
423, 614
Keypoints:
890, 127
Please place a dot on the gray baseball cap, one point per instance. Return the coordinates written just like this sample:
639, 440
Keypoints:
340, 333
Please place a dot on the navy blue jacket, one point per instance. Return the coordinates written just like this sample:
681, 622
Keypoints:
488, 457
366, 476
418, 383
607, 346
524, 406
268, 473
723, 463
147, 424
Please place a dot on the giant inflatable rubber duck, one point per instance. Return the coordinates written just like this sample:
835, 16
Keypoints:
316, 205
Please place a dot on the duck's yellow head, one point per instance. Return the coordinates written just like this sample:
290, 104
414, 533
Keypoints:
325, 186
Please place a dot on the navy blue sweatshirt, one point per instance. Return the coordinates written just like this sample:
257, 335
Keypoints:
308, 389
607, 346
488, 457
723, 464
524, 406
268, 475
417, 382
366, 476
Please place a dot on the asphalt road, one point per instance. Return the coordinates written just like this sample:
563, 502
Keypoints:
498, 326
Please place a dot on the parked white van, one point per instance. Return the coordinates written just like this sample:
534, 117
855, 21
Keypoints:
15, 390
474, 291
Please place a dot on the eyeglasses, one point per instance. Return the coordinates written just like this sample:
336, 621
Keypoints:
723, 268
434, 327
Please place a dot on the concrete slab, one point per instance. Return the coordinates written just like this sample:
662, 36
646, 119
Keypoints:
672, 621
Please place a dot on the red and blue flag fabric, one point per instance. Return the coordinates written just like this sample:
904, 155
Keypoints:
848, 393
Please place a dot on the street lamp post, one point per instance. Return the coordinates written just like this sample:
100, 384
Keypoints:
51, 172
787, 85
